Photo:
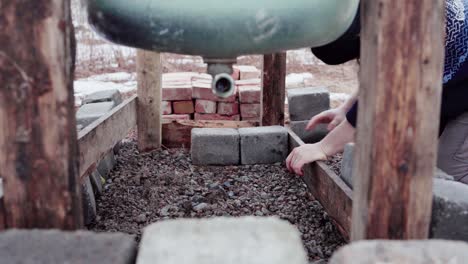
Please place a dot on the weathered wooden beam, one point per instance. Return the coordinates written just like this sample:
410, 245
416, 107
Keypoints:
38, 146
149, 71
274, 89
177, 134
97, 139
401, 75
329, 189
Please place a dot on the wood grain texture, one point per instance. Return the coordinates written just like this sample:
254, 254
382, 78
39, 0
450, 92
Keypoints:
38, 146
329, 189
401, 75
97, 139
149, 74
274, 89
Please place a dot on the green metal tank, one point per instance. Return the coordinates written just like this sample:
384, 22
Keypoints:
220, 31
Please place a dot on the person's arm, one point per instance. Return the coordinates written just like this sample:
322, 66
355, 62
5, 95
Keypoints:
333, 143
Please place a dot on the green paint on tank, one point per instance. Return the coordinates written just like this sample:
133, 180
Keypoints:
221, 29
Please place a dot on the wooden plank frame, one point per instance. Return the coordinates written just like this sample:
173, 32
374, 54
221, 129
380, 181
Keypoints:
329, 189
102, 135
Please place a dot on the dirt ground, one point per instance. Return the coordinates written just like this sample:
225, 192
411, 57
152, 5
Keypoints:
146, 188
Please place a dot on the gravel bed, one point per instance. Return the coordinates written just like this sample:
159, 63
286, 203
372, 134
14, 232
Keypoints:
145, 188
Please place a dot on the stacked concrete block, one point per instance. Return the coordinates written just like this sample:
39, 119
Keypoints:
308, 102
89, 113
347, 166
104, 96
54, 247
222, 240
263, 145
96, 105
215, 146
402, 252
450, 201
304, 104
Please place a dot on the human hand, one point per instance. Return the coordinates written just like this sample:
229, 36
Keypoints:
333, 117
303, 155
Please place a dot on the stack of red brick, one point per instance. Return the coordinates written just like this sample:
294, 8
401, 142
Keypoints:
188, 95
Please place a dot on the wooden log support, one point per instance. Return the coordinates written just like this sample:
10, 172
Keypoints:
149, 71
401, 76
329, 189
274, 89
97, 139
38, 140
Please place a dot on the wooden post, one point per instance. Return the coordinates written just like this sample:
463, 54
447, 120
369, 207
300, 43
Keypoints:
38, 138
149, 70
274, 89
401, 76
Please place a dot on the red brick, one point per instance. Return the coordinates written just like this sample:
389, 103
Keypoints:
248, 72
176, 117
177, 92
236, 74
202, 90
250, 110
166, 108
216, 117
183, 107
250, 94
228, 109
205, 106
249, 82
178, 76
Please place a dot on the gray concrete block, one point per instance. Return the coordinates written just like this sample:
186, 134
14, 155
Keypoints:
89, 202
89, 113
215, 146
347, 164
402, 252
113, 96
222, 240
263, 145
106, 165
314, 136
96, 182
304, 103
55, 247
450, 210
